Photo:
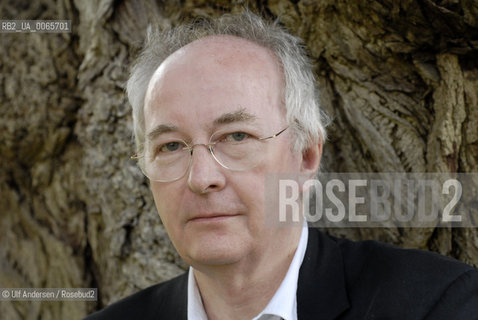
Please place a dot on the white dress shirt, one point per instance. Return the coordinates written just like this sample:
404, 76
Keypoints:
283, 304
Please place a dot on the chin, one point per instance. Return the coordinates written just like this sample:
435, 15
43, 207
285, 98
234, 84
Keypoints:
221, 243
212, 261
215, 252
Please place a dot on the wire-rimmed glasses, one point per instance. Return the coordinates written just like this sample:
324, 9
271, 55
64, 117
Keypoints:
169, 160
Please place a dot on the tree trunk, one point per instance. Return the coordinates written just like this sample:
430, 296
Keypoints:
399, 79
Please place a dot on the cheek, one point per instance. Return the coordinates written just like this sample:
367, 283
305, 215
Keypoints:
250, 191
289, 160
166, 204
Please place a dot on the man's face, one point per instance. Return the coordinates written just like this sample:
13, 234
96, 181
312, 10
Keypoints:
215, 216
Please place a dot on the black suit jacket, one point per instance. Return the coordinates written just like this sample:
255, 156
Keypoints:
342, 279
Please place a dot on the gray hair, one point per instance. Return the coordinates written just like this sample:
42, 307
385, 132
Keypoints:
303, 113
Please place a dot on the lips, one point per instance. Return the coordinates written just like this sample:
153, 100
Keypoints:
212, 217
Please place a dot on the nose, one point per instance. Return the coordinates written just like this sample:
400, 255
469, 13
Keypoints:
205, 174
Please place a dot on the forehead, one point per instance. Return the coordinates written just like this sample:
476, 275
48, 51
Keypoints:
224, 51
213, 75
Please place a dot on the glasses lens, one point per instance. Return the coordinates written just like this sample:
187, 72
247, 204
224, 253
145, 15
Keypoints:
237, 150
166, 162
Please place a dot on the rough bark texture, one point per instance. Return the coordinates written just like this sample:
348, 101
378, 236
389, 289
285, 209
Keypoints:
399, 79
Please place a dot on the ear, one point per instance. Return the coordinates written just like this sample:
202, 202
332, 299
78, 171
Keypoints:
310, 161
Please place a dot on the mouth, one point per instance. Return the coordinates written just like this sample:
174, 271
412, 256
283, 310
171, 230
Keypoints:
214, 217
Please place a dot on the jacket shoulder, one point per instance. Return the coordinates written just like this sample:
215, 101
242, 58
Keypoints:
168, 298
396, 263
407, 283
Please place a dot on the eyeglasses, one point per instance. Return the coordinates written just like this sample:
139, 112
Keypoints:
169, 160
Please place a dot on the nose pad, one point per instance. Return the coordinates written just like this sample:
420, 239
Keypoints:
205, 174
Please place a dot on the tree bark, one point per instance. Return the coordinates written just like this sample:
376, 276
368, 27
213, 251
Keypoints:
398, 78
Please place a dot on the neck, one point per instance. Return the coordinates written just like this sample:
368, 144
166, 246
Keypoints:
242, 290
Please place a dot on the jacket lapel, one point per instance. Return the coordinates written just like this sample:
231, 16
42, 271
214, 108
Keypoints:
321, 292
173, 299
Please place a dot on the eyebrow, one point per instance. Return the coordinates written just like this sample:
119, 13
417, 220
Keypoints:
161, 129
230, 117
236, 116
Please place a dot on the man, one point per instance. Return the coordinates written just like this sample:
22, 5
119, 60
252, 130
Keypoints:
216, 107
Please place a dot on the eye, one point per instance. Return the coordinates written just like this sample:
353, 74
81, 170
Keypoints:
236, 136
170, 147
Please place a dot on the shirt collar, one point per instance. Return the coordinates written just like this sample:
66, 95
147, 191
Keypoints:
284, 302
195, 307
